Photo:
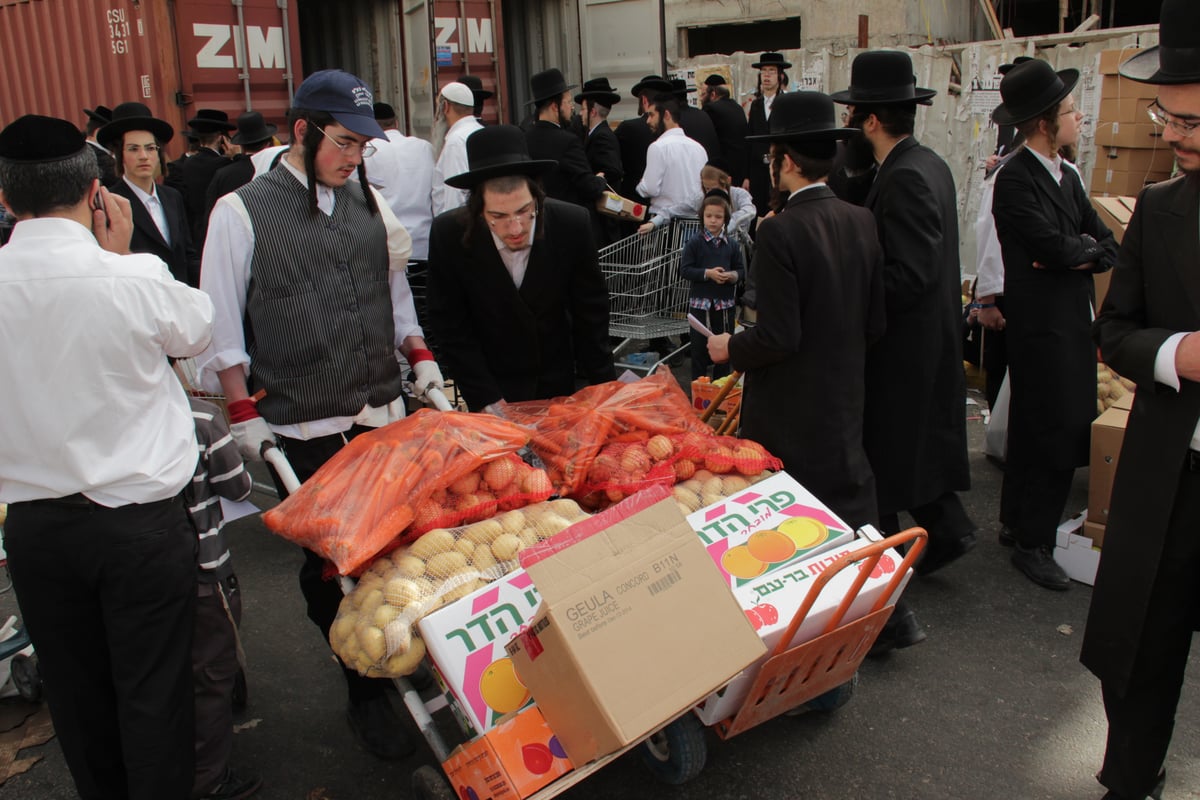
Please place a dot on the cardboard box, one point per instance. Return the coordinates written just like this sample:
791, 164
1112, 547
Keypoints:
704, 392
1123, 184
1141, 135
1110, 60
511, 761
1116, 86
1115, 213
1074, 552
612, 204
1108, 432
1095, 532
787, 523
1124, 109
770, 603
466, 640
636, 626
1134, 159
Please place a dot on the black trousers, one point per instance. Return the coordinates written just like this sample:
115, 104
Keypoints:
717, 322
322, 597
945, 520
108, 597
214, 670
1032, 499
1141, 721
995, 359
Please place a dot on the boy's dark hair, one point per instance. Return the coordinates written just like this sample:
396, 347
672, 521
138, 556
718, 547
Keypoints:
504, 184
40, 188
716, 198
313, 137
667, 104
814, 160
897, 120
1049, 116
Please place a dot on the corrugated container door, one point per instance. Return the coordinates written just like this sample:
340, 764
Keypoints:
237, 55
468, 38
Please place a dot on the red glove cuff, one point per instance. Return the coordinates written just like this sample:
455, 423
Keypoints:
242, 410
418, 354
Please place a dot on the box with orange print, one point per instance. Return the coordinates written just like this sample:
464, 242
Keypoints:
514, 759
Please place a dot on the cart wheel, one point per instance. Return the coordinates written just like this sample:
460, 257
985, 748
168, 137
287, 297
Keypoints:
429, 784
677, 753
27, 678
835, 698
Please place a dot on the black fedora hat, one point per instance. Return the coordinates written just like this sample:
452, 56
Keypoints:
882, 77
210, 120
100, 114
679, 88
495, 151
1030, 89
651, 83
803, 117
771, 60
134, 116
548, 84
599, 90
1176, 59
473, 83
251, 129
1004, 69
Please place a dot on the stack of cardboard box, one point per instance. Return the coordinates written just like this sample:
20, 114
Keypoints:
1130, 151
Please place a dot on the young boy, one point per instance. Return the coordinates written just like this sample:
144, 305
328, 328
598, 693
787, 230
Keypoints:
713, 263
215, 646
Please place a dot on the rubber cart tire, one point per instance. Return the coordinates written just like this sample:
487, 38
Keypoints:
835, 698
677, 753
27, 678
428, 783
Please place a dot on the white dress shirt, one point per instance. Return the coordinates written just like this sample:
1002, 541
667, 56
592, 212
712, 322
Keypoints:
516, 261
263, 159
225, 276
90, 404
154, 205
452, 161
401, 168
672, 176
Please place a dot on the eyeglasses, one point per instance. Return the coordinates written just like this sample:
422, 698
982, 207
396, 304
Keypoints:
526, 218
365, 149
1165, 119
150, 149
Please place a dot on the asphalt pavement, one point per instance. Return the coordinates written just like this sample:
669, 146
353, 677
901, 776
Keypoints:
993, 705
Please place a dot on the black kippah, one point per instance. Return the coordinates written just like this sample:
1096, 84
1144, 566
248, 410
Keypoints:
384, 111
34, 138
721, 193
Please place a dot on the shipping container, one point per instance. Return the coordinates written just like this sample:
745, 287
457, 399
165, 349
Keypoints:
63, 56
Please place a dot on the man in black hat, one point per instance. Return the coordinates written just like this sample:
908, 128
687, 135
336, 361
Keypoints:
160, 221
818, 267
772, 81
253, 134
601, 147
212, 128
695, 123
1052, 241
480, 94
98, 445
729, 121
915, 431
306, 270
1143, 608
635, 135
98, 117
549, 139
517, 302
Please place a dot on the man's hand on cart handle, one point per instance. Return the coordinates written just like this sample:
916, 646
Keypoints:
427, 374
249, 430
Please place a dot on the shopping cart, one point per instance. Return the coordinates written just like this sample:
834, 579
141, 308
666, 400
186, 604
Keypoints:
816, 675
647, 297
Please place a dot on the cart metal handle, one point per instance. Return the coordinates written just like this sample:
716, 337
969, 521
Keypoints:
868, 557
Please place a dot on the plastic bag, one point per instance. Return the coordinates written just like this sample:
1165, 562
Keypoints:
366, 496
374, 633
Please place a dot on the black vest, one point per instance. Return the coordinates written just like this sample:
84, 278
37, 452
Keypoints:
319, 327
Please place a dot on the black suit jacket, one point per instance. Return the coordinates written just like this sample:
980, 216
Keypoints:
198, 171
228, 178
635, 137
731, 126
1048, 311
818, 267
573, 181
916, 430
699, 126
181, 257
1154, 293
500, 342
756, 170
604, 154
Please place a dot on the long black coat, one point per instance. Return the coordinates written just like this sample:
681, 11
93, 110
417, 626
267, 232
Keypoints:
182, 258
729, 120
1048, 312
228, 178
635, 137
498, 341
1154, 293
604, 154
699, 126
916, 428
758, 172
573, 181
197, 173
819, 271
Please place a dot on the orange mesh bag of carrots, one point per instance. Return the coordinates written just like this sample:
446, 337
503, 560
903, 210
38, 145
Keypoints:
367, 497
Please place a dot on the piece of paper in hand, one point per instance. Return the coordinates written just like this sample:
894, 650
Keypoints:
698, 326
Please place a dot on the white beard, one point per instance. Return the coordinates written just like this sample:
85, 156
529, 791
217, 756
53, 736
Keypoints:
438, 135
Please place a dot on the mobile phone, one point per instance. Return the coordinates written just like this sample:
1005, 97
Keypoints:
98, 205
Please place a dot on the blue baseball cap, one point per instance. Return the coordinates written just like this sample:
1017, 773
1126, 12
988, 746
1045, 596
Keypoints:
345, 97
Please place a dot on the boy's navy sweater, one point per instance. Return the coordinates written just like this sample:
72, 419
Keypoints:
699, 255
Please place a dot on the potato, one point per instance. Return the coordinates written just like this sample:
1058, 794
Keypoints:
400, 592
1103, 390
734, 483
463, 590
715, 486
369, 601
465, 546
567, 509
484, 532
512, 522
408, 565
687, 499
406, 663
708, 498
483, 558
443, 565
506, 547
551, 524
342, 629
373, 645
385, 614
438, 540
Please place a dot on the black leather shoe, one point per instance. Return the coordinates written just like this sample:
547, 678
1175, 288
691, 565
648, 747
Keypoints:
900, 631
378, 729
234, 787
939, 555
1039, 566
1155, 793
1007, 538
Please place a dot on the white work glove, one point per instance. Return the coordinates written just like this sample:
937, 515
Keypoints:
250, 437
427, 376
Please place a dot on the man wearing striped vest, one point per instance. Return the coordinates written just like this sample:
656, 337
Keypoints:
306, 270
